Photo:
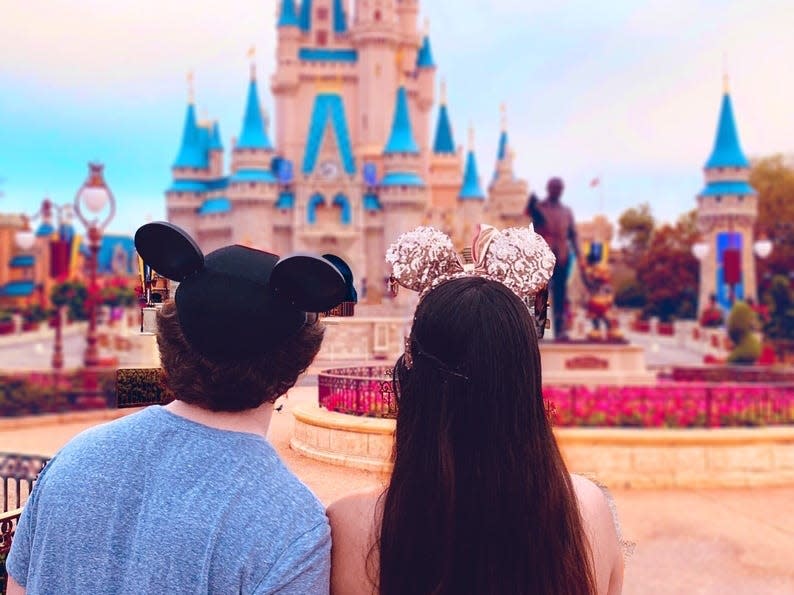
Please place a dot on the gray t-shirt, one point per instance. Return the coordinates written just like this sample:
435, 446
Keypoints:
155, 503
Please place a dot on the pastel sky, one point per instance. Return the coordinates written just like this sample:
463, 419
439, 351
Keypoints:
627, 90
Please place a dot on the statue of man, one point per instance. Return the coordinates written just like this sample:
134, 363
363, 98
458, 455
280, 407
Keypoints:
554, 221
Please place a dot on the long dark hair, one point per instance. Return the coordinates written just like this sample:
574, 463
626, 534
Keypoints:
480, 500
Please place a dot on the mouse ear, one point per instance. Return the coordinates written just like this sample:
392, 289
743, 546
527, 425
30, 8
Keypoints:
350, 293
169, 250
310, 283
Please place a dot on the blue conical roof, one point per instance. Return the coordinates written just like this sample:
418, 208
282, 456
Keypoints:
424, 59
215, 143
288, 17
444, 143
305, 19
401, 139
340, 18
502, 153
727, 150
191, 152
471, 189
254, 135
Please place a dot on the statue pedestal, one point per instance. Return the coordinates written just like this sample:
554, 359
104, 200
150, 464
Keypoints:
593, 363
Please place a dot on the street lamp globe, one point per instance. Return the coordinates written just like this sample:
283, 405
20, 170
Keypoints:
762, 248
25, 240
700, 250
94, 198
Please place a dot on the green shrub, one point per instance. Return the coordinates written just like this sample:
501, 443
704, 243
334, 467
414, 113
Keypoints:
742, 321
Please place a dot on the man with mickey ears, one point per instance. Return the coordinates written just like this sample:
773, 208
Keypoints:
190, 497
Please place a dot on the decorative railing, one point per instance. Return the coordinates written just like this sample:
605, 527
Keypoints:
18, 473
8, 524
367, 391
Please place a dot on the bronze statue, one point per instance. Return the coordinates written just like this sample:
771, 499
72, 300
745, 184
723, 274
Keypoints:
554, 221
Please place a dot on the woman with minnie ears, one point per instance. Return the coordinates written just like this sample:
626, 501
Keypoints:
480, 500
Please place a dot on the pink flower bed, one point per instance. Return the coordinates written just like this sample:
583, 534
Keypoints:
368, 392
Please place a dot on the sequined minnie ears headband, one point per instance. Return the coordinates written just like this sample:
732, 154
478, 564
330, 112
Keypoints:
517, 257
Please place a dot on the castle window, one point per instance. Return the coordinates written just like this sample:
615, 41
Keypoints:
322, 38
322, 13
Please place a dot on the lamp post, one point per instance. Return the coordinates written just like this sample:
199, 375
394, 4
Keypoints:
94, 195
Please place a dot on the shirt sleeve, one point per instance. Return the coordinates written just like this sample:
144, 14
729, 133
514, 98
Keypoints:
304, 568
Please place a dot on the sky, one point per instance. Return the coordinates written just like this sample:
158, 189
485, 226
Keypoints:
627, 91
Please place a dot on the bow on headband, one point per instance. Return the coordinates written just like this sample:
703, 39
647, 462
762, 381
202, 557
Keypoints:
517, 257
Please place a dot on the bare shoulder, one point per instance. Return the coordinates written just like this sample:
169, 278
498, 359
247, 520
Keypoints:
354, 520
594, 507
600, 525
588, 493
355, 511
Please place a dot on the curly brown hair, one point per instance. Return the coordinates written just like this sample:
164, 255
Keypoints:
231, 385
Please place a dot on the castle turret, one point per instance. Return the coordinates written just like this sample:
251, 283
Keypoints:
376, 40
425, 86
288, 16
507, 194
191, 154
216, 151
445, 165
403, 190
190, 171
253, 190
253, 149
471, 198
727, 211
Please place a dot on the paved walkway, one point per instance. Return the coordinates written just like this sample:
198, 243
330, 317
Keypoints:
694, 542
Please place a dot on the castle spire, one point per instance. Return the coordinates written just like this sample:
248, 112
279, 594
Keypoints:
503, 140
727, 150
288, 16
305, 18
401, 139
190, 153
253, 135
471, 189
340, 18
424, 58
215, 138
444, 142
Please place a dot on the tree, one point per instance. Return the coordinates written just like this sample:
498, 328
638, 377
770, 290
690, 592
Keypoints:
773, 179
72, 294
780, 300
669, 272
635, 229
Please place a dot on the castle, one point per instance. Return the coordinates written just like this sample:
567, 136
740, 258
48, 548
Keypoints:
353, 164
727, 210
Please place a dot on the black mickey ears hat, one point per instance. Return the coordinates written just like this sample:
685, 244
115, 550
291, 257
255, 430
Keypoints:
238, 302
